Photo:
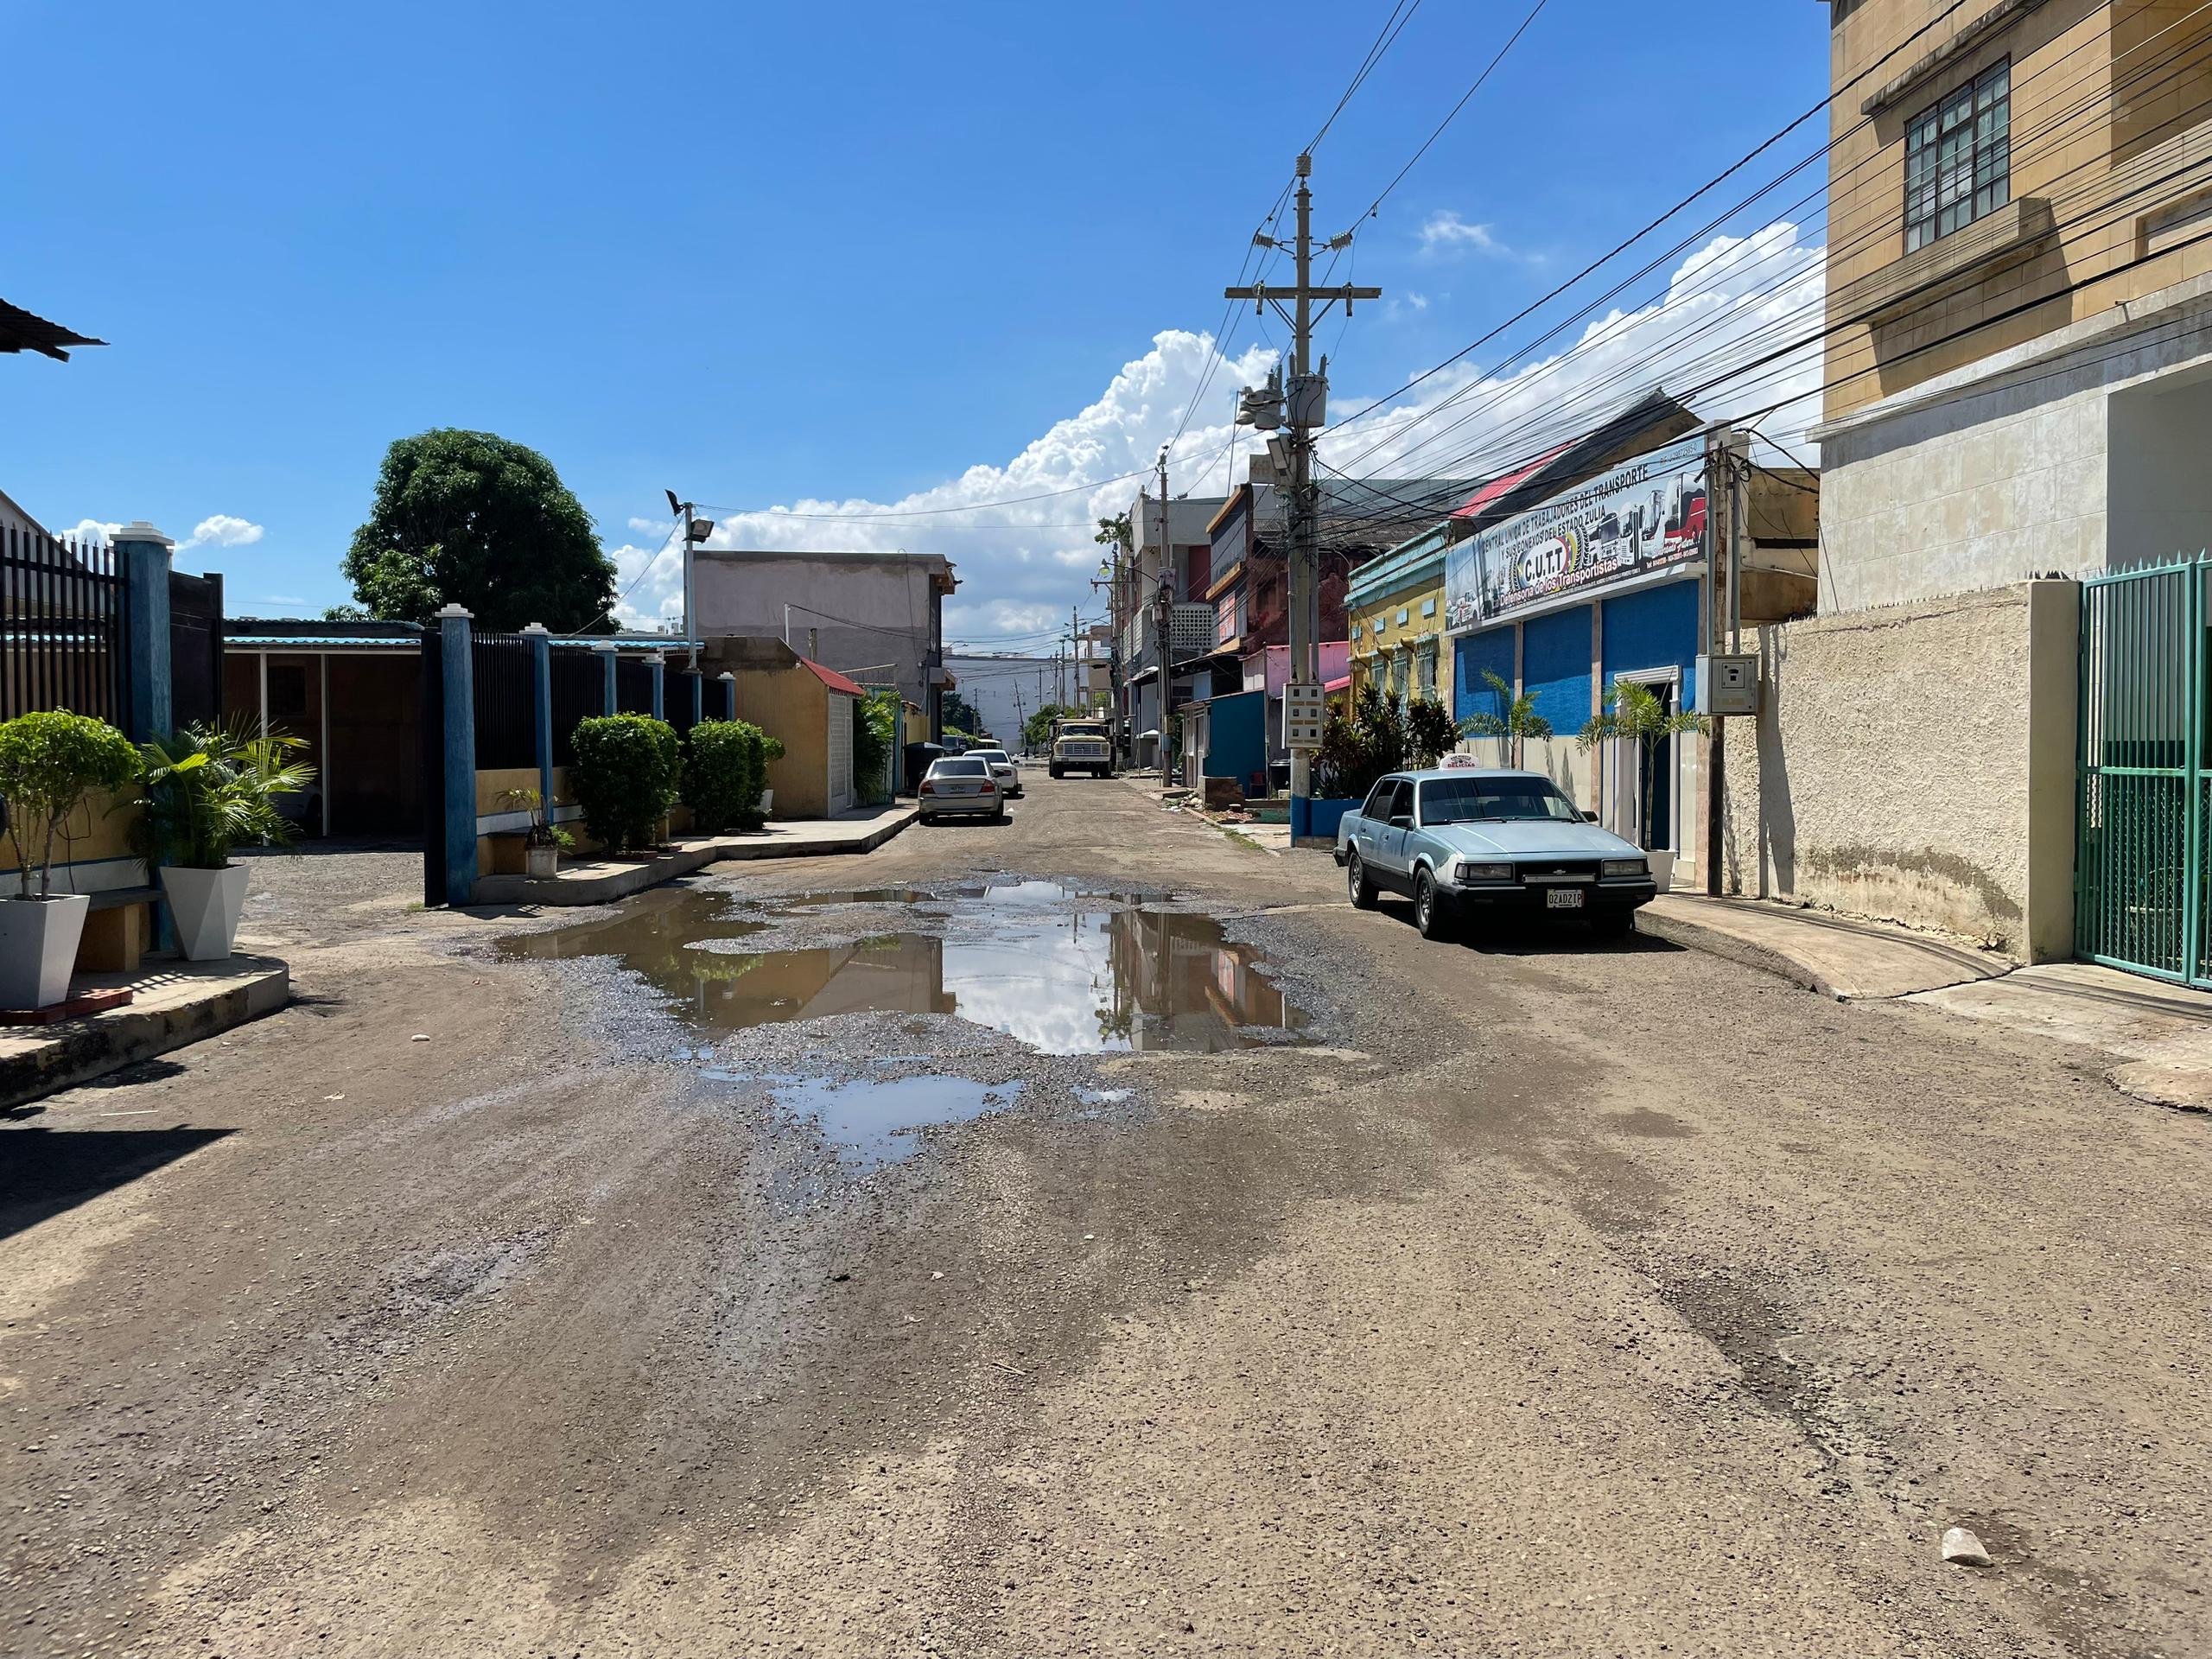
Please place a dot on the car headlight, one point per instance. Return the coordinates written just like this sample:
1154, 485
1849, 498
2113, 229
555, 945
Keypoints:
1623, 866
1468, 871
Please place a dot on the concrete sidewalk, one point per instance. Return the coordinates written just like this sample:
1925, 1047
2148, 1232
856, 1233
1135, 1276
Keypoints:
2155, 1037
1832, 955
599, 881
172, 1003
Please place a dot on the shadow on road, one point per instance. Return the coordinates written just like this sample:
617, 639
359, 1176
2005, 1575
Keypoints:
44, 1172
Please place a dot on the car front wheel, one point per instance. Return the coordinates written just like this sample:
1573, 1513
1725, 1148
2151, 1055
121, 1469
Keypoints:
1613, 924
1429, 913
1361, 889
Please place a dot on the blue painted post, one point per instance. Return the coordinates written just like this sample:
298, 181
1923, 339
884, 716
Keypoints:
658, 667
143, 554
541, 678
457, 664
606, 660
729, 694
698, 695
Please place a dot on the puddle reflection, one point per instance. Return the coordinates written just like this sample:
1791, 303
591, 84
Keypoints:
1064, 971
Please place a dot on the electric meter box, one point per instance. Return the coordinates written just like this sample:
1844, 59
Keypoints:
1728, 685
1305, 707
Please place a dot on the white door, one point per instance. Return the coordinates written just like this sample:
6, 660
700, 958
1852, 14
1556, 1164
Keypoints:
840, 754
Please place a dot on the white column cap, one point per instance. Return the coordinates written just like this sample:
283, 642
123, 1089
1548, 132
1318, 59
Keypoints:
139, 531
461, 611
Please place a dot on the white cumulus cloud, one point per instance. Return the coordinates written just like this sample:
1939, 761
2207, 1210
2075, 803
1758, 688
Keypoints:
1446, 231
221, 530
1024, 554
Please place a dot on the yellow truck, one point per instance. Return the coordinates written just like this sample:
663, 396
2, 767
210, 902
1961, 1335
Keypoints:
1081, 744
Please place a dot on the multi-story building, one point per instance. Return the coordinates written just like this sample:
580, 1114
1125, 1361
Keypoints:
2019, 402
876, 617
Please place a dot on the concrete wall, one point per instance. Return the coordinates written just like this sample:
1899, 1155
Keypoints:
790, 704
864, 609
1916, 764
95, 856
2016, 470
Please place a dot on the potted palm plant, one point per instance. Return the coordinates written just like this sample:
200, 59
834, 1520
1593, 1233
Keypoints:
544, 841
209, 789
1515, 719
1636, 712
50, 763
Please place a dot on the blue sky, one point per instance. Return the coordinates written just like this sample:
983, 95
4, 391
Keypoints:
768, 254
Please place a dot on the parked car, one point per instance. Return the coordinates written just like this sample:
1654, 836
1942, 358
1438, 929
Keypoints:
1473, 842
960, 786
1003, 769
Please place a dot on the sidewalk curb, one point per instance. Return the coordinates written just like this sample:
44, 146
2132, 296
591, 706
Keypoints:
1714, 943
78, 1051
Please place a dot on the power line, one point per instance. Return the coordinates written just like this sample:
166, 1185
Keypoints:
1384, 42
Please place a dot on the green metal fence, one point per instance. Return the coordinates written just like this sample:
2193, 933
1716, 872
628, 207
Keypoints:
2141, 900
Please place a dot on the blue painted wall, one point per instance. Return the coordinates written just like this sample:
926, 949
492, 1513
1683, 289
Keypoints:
1236, 744
1555, 667
1655, 628
1471, 653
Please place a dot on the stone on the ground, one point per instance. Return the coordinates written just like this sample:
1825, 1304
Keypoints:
1962, 1548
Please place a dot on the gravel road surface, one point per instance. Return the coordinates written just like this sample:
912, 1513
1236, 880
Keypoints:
964, 1266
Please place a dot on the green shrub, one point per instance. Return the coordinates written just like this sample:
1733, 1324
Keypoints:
624, 777
724, 771
49, 762
876, 719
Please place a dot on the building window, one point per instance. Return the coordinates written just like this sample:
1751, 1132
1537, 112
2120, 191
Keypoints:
1427, 669
1957, 159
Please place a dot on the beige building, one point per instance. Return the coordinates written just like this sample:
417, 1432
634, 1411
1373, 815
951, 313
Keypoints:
2019, 402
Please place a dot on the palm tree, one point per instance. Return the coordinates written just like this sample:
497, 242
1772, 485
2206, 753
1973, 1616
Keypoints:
1634, 710
1519, 721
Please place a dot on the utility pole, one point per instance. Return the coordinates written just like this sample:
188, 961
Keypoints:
1302, 406
695, 531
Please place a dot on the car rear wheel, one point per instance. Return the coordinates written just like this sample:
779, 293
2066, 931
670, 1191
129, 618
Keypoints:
1429, 913
1362, 890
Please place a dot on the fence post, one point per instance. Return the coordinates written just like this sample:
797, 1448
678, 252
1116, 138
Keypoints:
456, 654
541, 682
729, 694
144, 553
657, 665
698, 695
606, 661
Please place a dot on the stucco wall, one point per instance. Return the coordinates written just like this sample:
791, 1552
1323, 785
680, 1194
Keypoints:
1890, 770
92, 853
864, 611
792, 705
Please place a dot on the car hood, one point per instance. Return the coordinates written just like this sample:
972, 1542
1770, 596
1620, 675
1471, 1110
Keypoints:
1533, 837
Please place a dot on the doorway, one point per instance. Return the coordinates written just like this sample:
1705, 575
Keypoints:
1648, 772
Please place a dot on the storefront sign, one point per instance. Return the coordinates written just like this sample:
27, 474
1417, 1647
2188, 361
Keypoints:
1643, 515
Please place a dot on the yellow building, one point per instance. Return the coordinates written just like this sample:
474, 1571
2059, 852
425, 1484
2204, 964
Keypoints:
1394, 613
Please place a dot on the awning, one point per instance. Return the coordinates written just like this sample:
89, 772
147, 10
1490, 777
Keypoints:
833, 679
1344, 684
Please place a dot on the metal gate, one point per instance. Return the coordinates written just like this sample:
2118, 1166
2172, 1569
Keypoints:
2141, 900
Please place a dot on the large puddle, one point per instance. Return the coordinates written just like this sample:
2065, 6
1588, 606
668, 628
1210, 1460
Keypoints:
1066, 972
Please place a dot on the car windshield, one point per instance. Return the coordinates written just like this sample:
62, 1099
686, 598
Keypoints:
998, 755
960, 768
1482, 800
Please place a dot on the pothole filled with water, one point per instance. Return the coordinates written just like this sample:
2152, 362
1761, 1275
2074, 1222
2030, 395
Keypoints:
1059, 969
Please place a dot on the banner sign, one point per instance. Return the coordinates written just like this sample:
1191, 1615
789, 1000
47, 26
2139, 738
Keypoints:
1643, 515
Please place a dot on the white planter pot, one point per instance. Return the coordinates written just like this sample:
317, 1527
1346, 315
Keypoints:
541, 860
205, 905
1662, 869
38, 946
767, 802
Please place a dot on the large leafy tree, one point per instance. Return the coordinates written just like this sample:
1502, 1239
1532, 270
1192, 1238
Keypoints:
960, 714
474, 519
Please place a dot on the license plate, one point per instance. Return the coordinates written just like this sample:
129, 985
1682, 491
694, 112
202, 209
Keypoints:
1563, 899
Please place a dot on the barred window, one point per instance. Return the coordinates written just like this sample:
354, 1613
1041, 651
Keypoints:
1958, 158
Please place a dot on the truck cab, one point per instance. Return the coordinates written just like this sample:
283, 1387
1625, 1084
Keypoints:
1081, 744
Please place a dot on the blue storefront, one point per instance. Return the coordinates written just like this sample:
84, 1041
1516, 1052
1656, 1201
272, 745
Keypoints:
1602, 584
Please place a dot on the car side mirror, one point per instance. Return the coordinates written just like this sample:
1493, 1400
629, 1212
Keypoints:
1402, 821
1589, 818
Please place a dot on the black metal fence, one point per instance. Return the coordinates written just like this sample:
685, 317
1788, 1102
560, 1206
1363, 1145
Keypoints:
579, 694
505, 686
675, 697
633, 686
64, 629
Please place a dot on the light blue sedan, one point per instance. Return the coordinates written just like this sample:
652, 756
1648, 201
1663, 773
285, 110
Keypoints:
1463, 843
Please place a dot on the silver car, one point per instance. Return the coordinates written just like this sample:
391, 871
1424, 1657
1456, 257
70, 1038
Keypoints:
1463, 843
960, 786
1003, 769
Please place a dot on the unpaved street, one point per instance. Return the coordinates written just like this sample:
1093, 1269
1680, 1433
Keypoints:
983, 1256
